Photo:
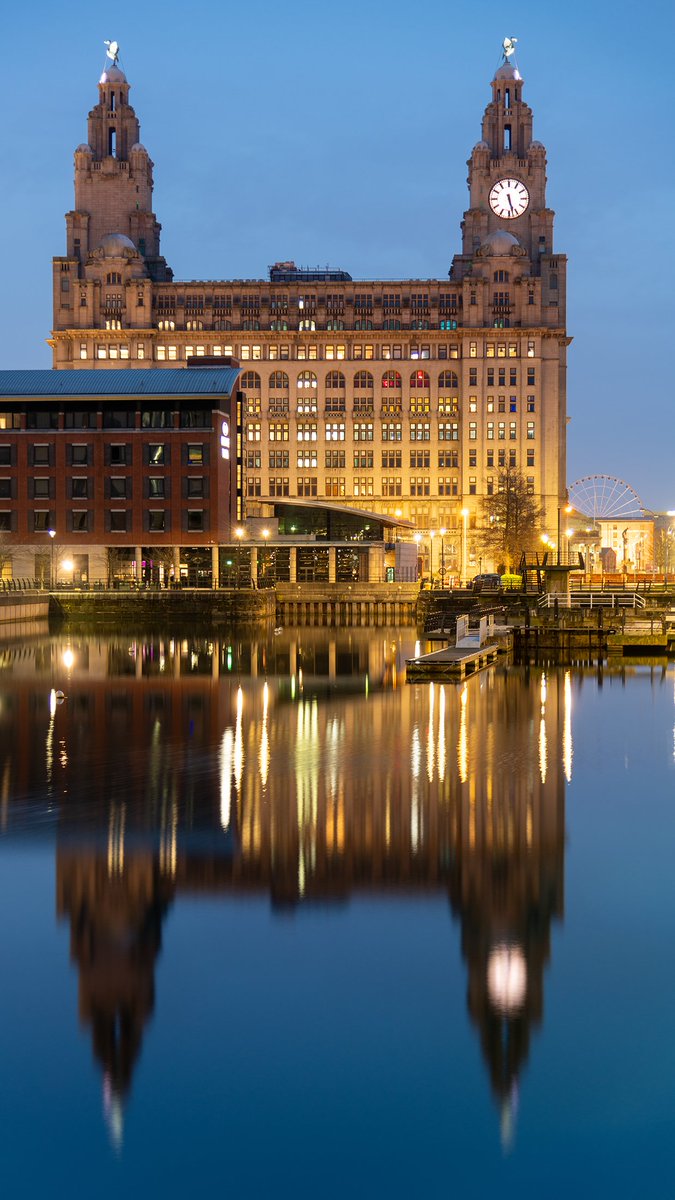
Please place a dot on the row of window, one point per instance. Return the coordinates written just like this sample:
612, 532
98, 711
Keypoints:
336, 460
156, 454
365, 381
390, 431
116, 487
390, 405
258, 352
116, 520
111, 418
391, 486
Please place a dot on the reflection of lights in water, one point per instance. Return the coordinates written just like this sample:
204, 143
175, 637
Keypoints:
418, 649
116, 839
462, 741
441, 735
415, 761
68, 658
239, 741
113, 1112
568, 751
226, 757
509, 1115
542, 749
415, 753
292, 687
543, 691
507, 978
332, 771
264, 757
194, 660
168, 844
307, 764
430, 735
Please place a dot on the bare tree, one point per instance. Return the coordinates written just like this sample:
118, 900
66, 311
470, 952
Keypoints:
511, 520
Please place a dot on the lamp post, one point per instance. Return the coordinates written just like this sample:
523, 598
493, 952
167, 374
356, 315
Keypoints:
465, 517
52, 534
432, 535
418, 539
567, 508
442, 558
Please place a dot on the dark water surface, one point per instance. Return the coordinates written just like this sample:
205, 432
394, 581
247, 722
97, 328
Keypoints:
277, 924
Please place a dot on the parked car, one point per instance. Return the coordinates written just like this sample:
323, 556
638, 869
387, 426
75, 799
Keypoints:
486, 583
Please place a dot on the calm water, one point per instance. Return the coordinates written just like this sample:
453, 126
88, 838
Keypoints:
277, 924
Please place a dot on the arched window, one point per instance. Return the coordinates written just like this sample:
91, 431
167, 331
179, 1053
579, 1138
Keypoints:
419, 379
250, 324
307, 379
194, 325
249, 380
391, 379
334, 379
363, 323
222, 325
363, 379
448, 379
169, 325
391, 323
278, 381
335, 323
419, 324
307, 325
279, 325
501, 277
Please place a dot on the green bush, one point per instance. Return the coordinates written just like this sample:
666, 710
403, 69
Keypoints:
511, 583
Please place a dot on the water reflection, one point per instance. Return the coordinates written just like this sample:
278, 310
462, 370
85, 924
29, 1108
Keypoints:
300, 767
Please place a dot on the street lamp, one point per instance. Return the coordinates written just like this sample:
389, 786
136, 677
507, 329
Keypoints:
52, 534
567, 508
238, 533
465, 516
432, 535
442, 558
418, 539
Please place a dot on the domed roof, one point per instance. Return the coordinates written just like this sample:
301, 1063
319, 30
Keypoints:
114, 245
508, 71
499, 242
138, 146
112, 74
83, 148
481, 146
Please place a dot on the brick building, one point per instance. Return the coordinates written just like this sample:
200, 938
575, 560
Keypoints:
404, 397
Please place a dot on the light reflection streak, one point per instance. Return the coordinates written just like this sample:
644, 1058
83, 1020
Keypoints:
430, 735
226, 757
239, 741
264, 756
568, 749
462, 741
441, 735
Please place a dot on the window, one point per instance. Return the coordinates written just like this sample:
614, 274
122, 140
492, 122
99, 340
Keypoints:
419, 459
195, 519
252, 459
80, 521
307, 405
253, 486
42, 520
278, 381
419, 404
118, 454
334, 459
448, 431
448, 406
530, 457
473, 376
472, 485
530, 404
363, 431
501, 430
278, 431
5, 488
363, 379
156, 486
156, 454
307, 458
363, 486
118, 487
501, 458
448, 379
5, 520
363, 460
250, 381
531, 376
391, 379
306, 431
473, 459
335, 404
118, 521
513, 431
513, 404
41, 489
530, 349
41, 456
420, 431
392, 431
391, 458
307, 380
335, 381
473, 404
419, 379
279, 486
420, 485
448, 486
490, 458
307, 486
490, 431
253, 431
335, 486
195, 455
529, 482
276, 460
448, 458
335, 431
530, 431
391, 486
79, 488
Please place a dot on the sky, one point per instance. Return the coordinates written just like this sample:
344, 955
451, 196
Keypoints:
339, 135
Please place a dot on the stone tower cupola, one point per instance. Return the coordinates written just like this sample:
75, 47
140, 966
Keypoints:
113, 181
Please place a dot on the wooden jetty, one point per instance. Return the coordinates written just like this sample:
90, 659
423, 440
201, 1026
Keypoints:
454, 663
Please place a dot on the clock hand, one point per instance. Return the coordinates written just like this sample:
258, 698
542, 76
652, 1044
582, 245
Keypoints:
510, 202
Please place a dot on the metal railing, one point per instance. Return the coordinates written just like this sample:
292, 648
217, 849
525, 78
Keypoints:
580, 599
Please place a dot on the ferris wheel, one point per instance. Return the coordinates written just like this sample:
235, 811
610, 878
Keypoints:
603, 498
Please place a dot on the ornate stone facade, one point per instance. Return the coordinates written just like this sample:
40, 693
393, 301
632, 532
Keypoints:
403, 397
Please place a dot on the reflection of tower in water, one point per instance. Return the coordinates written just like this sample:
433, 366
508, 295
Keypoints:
506, 883
116, 904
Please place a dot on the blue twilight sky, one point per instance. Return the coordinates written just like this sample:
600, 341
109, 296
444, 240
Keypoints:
340, 135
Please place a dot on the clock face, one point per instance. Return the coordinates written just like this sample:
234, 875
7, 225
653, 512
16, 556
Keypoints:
509, 198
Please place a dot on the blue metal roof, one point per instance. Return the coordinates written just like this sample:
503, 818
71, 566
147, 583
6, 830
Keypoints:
185, 381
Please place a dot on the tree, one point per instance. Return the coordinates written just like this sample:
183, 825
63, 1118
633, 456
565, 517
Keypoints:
512, 520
